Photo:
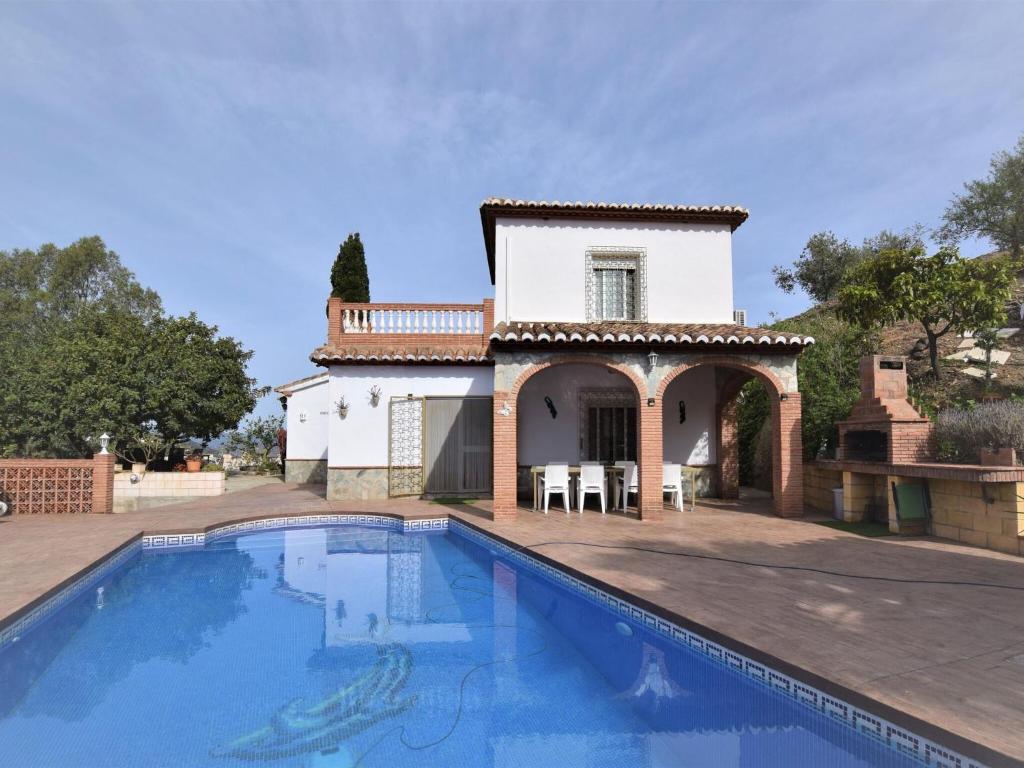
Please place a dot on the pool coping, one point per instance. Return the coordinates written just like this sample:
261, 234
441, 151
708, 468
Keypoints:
950, 749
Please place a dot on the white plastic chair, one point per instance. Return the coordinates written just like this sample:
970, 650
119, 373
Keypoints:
591, 480
672, 482
628, 481
555, 480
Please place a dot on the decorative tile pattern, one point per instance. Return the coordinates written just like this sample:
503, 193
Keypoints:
298, 521
894, 737
13, 632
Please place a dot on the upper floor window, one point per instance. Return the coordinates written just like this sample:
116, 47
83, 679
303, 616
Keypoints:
616, 284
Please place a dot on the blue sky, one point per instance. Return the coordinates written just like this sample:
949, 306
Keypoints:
225, 150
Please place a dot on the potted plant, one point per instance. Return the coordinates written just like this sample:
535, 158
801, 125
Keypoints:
193, 462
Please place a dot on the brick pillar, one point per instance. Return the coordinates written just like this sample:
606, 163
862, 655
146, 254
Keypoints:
650, 459
728, 449
787, 457
504, 507
488, 317
334, 320
103, 483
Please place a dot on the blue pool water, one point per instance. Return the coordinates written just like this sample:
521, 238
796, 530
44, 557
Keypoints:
367, 647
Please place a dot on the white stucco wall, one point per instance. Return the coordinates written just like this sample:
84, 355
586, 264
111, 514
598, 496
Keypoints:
542, 439
692, 442
361, 439
540, 268
308, 439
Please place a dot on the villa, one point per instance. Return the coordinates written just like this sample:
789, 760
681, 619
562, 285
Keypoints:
611, 336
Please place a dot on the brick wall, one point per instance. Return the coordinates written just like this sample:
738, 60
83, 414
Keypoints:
58, 486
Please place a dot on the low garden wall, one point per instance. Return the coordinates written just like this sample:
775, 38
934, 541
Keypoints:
58, 486
973, 504
168, 484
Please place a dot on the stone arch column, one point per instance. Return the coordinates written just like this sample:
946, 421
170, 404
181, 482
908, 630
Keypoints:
787, 446
506, 446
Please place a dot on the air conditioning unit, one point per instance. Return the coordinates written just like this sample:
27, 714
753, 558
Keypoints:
739, 316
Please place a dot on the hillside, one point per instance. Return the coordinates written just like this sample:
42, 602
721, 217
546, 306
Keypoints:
957, 383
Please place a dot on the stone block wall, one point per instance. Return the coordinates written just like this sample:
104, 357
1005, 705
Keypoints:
302, 471
989, 515
818, 485
357, 483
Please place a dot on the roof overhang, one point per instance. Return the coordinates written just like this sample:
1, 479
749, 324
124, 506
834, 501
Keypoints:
494, 208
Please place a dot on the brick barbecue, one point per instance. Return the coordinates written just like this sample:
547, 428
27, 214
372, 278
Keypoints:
883, 425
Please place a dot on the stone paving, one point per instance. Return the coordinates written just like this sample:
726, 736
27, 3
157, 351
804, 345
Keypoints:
908, 623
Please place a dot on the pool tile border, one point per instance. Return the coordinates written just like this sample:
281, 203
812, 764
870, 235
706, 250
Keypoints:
199, 539
863, 722
95, 574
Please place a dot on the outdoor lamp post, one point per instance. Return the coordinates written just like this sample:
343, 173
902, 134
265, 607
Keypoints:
104, 442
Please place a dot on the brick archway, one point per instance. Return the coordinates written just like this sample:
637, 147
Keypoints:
787, 446
506, 407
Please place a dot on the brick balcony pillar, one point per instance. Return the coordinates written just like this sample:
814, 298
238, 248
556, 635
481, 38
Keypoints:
649, 460
103, 483
788, 465
488, 317
505, 450
728, 449
334, 320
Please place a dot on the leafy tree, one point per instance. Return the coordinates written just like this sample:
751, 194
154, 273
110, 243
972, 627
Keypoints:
349, 279
825, 261
943, 293
84, 349
992, 207
820, 267
257, 437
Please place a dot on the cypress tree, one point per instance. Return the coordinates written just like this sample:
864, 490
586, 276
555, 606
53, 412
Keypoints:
349, 278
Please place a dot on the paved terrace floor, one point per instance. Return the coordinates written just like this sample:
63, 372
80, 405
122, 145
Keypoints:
950, 654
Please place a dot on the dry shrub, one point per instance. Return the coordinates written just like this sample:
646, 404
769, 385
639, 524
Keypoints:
961, 432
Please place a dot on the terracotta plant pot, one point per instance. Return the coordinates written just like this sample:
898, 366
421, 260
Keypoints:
193, 465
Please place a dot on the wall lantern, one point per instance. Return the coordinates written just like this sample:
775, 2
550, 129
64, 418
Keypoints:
551, 407
506, 409
783, 396
652, 359
375, 393
104, 442
302, 417
682, 412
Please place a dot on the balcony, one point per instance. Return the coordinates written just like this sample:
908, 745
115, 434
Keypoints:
404, 323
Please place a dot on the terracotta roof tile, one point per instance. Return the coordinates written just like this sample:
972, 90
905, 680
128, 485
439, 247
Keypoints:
642, 333
406, 354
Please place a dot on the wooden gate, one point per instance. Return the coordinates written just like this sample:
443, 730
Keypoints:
458, 445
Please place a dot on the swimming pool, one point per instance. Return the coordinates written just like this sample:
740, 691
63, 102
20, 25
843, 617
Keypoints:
365, 646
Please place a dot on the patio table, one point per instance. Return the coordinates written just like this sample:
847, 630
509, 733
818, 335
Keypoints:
611, 473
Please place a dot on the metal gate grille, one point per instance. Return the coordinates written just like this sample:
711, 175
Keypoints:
405, 446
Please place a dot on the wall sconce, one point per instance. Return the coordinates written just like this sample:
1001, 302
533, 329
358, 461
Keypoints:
783, 396
302, 417
505, 409
682, 412
652, 359
551, 407
104, 442
375, 393
341, 407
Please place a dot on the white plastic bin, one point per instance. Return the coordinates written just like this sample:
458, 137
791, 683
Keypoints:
837, 502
